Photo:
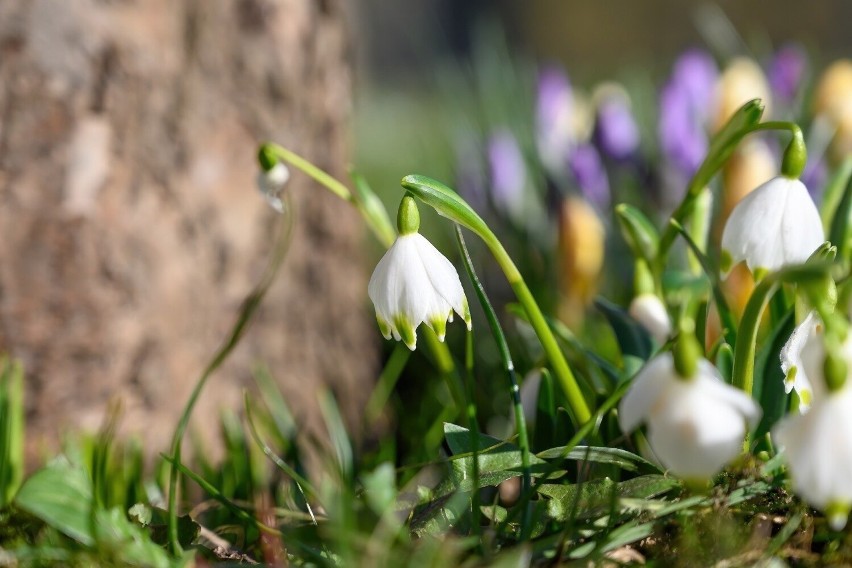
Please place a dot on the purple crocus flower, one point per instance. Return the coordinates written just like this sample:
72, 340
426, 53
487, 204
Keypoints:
508, 172
589, 173
697, 73
554, 105
787, 71
616, 132
685, 106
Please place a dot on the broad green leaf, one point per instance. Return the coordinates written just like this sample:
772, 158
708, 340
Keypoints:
769, 378
581, 500
498, 460
61, 496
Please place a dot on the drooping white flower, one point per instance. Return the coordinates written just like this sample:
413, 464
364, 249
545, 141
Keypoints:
818, 449
271, 183
651, 313
695, 426
415, 283
775, 225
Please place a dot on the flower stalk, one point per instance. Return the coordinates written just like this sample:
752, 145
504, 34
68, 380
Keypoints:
514, 390
448, 204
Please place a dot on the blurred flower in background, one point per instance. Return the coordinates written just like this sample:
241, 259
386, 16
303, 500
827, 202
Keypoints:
616, 132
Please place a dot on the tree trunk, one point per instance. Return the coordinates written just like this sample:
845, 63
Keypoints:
130, 222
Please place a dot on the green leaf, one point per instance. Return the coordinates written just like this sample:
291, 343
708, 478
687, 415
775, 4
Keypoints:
11, 429
769, 378
446, 202
128, 543
583, 500
834, 191
380, 487
61, 496
640, 234
841, 224
612, 456
498, 460
545, 413
632, 338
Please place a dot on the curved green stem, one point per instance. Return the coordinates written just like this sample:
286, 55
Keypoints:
514, 390
375, 215
249, 307
448, 204
363, 199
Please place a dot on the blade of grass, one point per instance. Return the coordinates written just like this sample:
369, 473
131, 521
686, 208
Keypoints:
247, 311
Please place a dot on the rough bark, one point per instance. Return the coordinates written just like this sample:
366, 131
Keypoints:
131, 229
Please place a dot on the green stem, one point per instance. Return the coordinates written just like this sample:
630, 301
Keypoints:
746, 347
387, 380
249, 307
386, 235
509, 366
321, 176
473, 429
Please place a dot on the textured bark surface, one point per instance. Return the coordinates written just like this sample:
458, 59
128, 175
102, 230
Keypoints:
131, 229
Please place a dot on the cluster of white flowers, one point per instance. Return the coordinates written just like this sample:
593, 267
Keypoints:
695, 424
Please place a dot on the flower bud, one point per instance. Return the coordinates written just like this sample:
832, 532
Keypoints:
650, 312
581, 245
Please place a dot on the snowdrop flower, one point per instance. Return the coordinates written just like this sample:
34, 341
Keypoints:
775, 225
695, 425
414, 283
818, 449
801, 359
271, 183
650, 312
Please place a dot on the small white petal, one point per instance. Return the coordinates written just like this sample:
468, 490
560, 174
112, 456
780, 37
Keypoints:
646, 390
775, 225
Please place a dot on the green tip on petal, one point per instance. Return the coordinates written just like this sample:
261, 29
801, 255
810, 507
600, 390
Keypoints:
384, 327
467, 319
791, 375
805, 397
697, 485
726, 262
406, 331
760, 273
837, 514
439, 326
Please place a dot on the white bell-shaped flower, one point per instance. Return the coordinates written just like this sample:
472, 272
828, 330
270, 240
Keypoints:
818, 449
271, 183
414, 283
775, 225
650, 312
695, 425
